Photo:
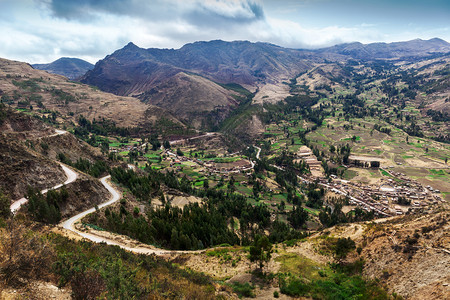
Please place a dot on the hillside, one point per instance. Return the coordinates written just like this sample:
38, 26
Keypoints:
29, 153
60, 101
242, 62
71, 68
21, 166
193, 99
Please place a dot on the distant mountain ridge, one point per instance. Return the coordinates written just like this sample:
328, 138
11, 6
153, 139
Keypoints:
417, 47
132, 70
72, 68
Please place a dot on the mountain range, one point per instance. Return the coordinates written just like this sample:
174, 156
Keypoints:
189, 82
202, 83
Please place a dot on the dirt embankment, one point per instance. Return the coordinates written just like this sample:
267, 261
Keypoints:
411, 255
68, 145
21, 167
84, 193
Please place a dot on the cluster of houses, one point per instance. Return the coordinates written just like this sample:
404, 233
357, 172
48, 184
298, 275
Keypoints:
305, 154
211, 167
390, 196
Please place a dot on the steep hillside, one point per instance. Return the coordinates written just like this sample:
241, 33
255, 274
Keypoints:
72, 68
29, 150
411, 255
193, 99
59, 100
20, 166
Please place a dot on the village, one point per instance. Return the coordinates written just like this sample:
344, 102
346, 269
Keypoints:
397, 195
394, 194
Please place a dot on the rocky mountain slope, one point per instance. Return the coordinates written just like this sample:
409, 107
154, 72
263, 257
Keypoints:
21, 166
239, 62
55, 97
188, 77
71, 68
28, 153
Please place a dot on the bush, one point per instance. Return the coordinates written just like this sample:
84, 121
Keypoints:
243, 289
87, 285
294, 287
338, 286
24, 255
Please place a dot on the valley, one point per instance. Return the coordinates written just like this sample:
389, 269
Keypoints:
227, 170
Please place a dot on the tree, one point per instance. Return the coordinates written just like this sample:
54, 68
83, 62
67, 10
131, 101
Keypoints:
4, 205
104, 147
282, 206
261, 250
166, 144
342, 248
231, 186
297, 217
332, 148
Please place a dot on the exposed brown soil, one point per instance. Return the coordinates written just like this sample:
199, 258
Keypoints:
416, 270
21, 167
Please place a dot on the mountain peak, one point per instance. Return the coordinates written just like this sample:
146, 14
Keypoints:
438, 40
67, 66
131, 45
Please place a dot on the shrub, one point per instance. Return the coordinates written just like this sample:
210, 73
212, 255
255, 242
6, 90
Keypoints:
87, 285
243, 289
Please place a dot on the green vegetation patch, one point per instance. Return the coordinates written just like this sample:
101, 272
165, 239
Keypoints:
296, 264
383, 172
438, 173
336, 286
349, 174
357, 138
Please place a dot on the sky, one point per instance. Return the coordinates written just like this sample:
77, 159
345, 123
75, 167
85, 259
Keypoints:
41, 31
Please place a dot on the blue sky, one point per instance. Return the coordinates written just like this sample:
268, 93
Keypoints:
44, 30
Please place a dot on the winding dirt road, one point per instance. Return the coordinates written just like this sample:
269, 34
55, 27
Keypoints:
115, 196
71, 177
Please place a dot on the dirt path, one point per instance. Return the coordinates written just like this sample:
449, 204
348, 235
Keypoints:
192, 138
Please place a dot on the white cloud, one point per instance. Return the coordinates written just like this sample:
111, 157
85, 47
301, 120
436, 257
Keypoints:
43, 30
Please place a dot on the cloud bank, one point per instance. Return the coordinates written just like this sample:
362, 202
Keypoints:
44, 30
